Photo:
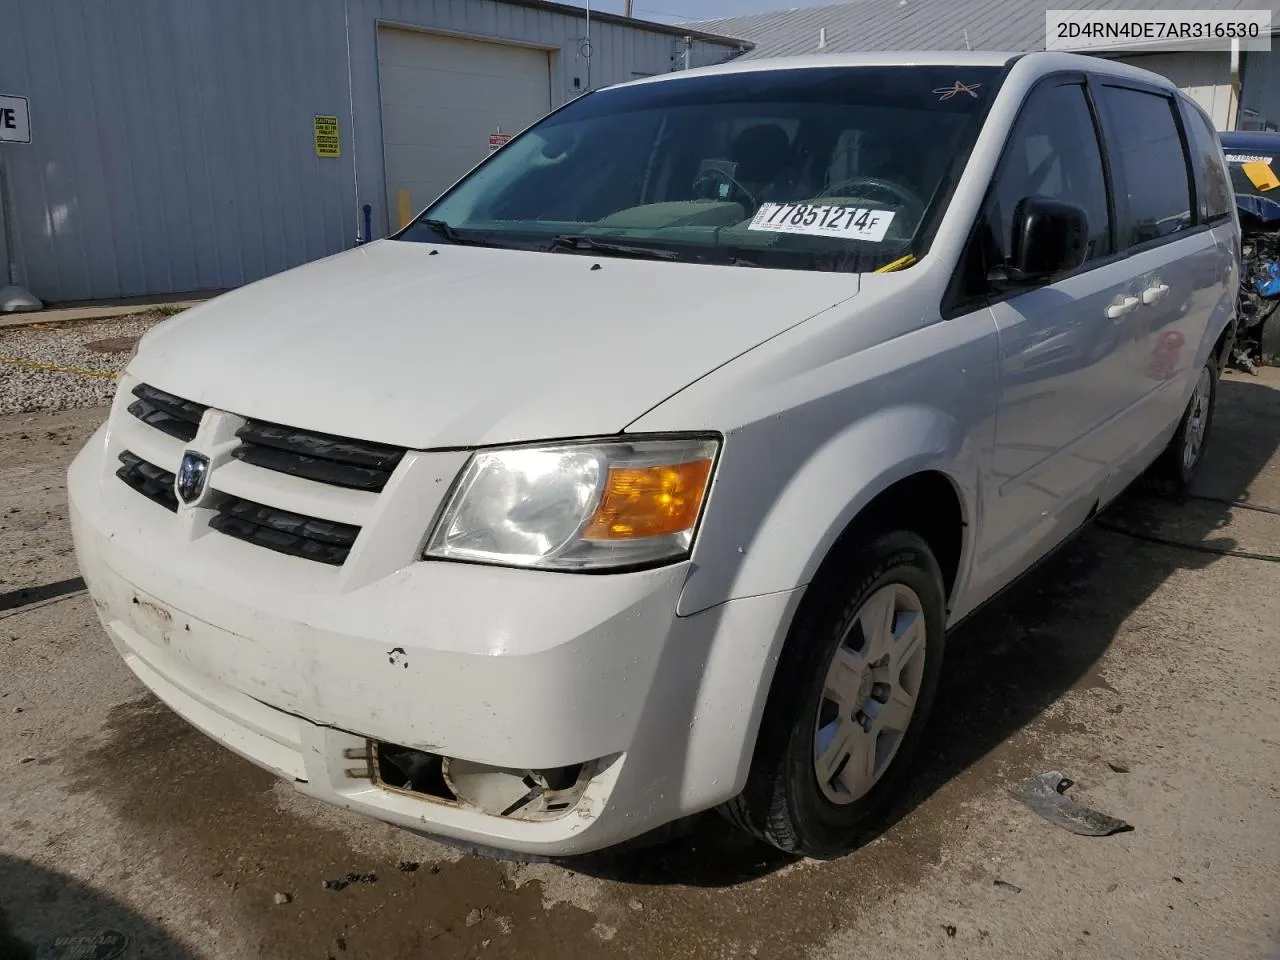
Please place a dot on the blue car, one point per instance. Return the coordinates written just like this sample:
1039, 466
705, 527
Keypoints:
1253, 159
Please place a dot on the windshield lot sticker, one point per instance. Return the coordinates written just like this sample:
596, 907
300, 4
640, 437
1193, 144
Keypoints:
957, 88
1247, 158
815, 220
1261, 176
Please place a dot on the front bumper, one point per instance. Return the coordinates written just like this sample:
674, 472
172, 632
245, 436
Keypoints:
297, 668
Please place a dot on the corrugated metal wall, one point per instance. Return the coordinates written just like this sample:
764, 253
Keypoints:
1204, 75
1260, 89
172, 140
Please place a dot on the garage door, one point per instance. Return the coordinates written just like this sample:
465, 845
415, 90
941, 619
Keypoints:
442, 97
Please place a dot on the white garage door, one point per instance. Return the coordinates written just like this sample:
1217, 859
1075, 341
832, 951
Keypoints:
442, 97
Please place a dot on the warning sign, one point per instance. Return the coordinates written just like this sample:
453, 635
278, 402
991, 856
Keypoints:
497, 139
327, 143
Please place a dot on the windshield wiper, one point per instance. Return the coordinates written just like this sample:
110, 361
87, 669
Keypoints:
445, 229
450, 234
572, 242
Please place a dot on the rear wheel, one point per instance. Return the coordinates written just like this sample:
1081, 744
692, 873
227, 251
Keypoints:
849, 700
1176, 468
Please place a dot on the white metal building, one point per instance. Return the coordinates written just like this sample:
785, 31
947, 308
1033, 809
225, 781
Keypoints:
184, 145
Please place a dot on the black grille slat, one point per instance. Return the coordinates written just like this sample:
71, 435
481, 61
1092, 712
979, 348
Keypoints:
312, 468
149, 480
294, 524
163, 421
317, 456
321, 445
167, 413
284, 532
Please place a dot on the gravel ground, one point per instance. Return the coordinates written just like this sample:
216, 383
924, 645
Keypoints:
23, 389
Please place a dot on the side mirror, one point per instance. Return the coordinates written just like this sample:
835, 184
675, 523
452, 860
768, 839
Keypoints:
1049, 237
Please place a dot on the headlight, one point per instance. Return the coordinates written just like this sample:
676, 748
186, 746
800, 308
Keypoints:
577, 506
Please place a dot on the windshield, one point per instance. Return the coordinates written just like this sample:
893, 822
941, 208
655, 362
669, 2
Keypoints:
818, 168
1253, 174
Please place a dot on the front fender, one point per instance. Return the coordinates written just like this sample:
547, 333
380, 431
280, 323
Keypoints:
769, 530
817, 423
773, 564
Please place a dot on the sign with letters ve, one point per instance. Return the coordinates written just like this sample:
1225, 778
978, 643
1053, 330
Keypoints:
15, 120
497, 140
327, 142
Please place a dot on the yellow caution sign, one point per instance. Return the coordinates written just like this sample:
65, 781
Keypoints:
328, 143
404, 206
1261, 175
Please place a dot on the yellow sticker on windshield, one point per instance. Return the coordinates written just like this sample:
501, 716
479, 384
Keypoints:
1261, 175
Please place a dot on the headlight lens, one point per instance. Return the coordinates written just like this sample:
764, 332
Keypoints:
577, 506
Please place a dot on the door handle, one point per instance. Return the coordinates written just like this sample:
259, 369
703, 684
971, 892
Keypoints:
1121, 307
1154, 293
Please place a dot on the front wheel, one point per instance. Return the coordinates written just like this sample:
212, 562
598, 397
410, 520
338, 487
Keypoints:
849, 700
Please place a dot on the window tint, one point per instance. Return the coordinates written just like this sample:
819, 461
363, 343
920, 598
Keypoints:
1151, 168
685, 166
1051, 152
1213, 188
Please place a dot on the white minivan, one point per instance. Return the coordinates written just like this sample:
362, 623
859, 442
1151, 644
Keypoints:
646, 471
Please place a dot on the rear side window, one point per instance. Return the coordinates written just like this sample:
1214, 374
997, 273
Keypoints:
1213, 188
1147, 154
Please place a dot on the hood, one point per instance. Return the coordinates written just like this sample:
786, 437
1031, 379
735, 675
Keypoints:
423, 346
1264, 208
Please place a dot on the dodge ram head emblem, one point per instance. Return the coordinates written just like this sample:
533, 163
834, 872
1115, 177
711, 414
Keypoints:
192, 473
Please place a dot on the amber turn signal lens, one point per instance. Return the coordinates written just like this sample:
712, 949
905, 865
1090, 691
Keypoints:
649, 501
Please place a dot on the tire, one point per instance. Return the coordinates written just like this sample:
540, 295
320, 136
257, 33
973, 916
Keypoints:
816, 714
1177, 466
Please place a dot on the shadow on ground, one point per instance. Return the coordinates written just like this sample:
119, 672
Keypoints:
28, 596
1023, 651
46, 915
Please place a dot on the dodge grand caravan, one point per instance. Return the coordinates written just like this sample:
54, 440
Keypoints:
645, 472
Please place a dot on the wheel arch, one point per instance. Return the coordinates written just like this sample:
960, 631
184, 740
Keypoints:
928, 485
927, 502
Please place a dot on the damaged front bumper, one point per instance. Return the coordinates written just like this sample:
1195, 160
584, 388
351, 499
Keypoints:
538, 676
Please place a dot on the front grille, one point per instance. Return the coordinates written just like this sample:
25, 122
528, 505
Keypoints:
320, 457
167, 413
285, 532
149, 480
317, 456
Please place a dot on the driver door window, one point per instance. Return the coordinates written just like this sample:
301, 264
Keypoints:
1052, 152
